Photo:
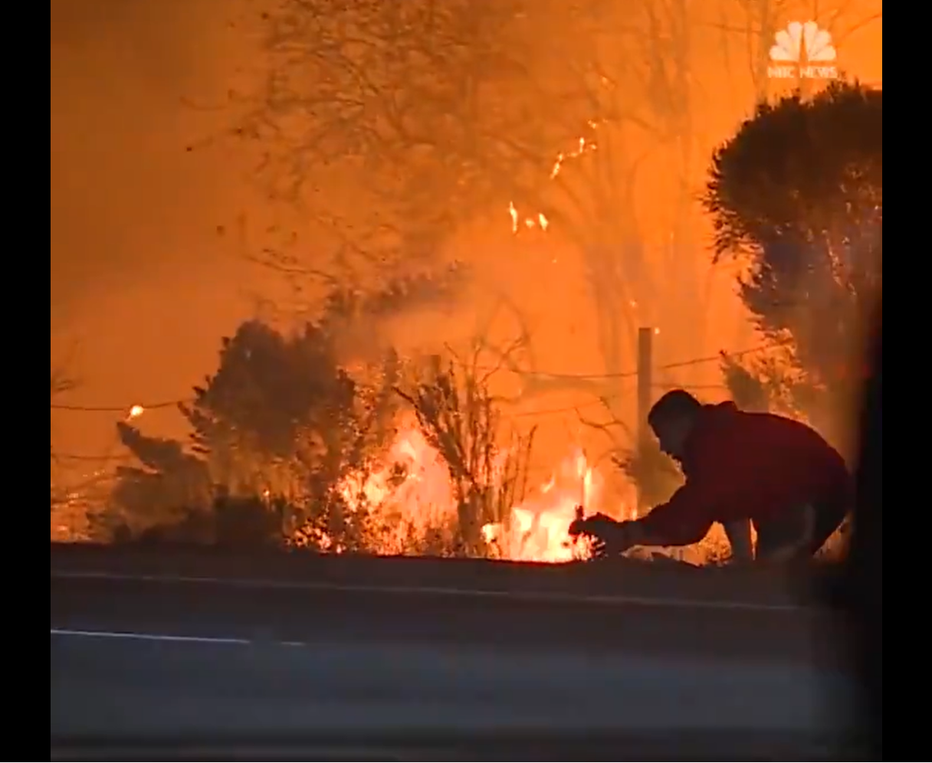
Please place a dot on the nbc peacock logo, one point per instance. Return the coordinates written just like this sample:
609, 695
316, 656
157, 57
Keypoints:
792, 43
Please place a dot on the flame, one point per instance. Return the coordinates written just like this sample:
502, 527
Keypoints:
537, 529
582, 146
514, 216
411, 493
409, 490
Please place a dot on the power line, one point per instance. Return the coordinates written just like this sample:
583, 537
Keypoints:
119, 408
522, 414
86, 457
613, 396
631, 374
712, 358
592, 377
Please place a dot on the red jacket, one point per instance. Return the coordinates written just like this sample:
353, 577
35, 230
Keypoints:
742, 465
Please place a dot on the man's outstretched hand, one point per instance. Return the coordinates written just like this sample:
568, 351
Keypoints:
607, 535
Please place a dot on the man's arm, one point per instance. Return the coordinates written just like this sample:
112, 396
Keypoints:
681, 521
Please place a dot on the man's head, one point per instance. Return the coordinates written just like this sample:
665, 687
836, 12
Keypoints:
672, 418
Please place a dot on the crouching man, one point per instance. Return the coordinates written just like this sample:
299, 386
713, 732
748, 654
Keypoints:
740, 468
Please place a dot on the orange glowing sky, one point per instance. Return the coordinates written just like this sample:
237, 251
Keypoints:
142, 286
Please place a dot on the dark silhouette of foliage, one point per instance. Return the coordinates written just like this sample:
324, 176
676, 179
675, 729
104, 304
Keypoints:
749, 392
170, 481
797, 195
774, 382
269, 389
356, 314
245, 522
416, 290
273, 430
398, 294
432, 96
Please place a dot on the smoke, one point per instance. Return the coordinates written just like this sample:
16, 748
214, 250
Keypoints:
143, 285
140, 281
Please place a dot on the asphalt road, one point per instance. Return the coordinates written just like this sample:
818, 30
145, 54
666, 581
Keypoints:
163, 658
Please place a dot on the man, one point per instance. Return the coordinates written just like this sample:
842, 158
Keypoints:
740, 468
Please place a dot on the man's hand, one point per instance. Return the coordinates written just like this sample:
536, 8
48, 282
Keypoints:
607, 535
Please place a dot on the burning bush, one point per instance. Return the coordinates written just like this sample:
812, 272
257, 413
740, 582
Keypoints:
455, 479
456, 413
288, 449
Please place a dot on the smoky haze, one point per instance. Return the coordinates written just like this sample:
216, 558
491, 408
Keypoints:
147, 265
141, 285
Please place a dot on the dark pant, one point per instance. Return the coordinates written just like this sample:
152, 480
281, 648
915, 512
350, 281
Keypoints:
804, 529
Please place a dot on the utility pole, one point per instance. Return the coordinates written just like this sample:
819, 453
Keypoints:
645, 353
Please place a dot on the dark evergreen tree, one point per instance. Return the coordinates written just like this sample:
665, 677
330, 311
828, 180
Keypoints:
273, 431
797, 195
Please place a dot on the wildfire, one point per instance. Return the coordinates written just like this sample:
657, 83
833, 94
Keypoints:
536, 530
540, 220
411, 491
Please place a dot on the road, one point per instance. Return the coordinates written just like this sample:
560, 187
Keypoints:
169, 656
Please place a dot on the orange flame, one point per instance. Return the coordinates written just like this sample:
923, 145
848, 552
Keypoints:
537, 529
540, 220
410, 491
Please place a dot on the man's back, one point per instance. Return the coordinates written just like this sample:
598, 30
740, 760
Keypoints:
760, 463
776, 472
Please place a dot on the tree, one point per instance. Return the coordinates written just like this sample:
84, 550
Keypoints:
278, 424
644, 126
797, 195
274, 398
456, 110
403, 97
352, 303
163, 492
